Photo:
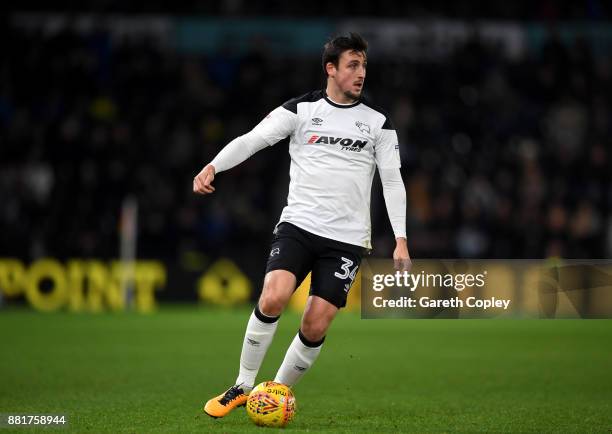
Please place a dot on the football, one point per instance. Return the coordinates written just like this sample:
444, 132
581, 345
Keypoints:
271, 404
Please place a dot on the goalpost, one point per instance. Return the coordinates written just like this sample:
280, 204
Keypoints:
128, 237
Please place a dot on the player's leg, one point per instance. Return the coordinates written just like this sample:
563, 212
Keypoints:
278, 288
279, 285
306, 346
288, 264
332, 276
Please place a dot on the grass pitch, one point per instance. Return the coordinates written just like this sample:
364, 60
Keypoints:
152, 373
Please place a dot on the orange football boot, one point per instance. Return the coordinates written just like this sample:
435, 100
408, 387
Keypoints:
221, 405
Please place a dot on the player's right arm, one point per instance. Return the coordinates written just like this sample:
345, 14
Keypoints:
279, 124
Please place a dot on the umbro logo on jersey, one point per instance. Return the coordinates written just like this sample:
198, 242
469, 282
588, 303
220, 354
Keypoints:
317, 121
347, 144
275, 251
363, 127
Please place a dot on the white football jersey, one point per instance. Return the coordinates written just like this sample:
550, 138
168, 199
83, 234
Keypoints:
334, 151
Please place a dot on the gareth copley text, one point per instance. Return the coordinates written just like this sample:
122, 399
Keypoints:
427, 302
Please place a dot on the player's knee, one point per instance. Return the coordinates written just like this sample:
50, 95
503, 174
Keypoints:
314, 330
270, 305
272, 302
277, 290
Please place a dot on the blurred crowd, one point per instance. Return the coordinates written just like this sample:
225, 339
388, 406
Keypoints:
501, 159
507, 160
524, 10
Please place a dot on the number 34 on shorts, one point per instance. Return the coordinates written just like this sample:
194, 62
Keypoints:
348, 271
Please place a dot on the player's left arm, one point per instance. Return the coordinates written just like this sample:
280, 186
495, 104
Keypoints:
394, 191
395, 200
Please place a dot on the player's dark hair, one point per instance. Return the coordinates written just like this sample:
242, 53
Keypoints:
338, 45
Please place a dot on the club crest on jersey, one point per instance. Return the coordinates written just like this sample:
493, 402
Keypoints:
317, 121
346, 143
363, 127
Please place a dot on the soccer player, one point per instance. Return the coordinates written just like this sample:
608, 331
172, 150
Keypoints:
337, 140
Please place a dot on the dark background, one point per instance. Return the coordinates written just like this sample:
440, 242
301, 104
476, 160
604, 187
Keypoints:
517, 10
501, 157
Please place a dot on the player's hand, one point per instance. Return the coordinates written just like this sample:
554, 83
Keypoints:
401, 257
202, 183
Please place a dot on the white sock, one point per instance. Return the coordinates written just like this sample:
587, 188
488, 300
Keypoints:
259, 333
299, 358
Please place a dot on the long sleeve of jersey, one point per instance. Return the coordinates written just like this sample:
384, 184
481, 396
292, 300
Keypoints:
395, 199
276, 126
238, 150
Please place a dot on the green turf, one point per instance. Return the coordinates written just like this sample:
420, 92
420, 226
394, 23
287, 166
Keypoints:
152, 373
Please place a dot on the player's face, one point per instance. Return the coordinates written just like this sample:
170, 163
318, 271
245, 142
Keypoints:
350, 74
